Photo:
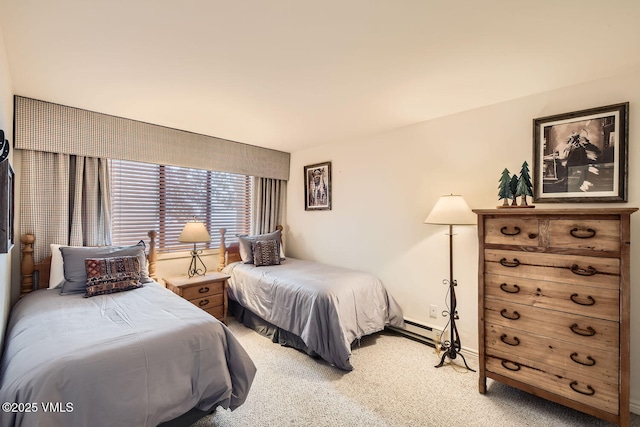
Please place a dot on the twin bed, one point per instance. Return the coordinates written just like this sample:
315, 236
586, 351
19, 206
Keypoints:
137, 358
147, 357
319, 309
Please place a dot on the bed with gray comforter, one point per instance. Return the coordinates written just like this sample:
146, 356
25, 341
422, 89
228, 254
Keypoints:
326, 307
135, 358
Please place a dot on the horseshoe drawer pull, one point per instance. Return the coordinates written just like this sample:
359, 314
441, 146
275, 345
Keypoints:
505, 288
516, 231
505, 364
591, 360
506, 263
203, 302
590, 391
515, 316
590, 298
589, 271
588, 332
513, 343
203, 290
575, 232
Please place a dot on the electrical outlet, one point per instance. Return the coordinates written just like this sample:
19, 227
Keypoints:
433, 310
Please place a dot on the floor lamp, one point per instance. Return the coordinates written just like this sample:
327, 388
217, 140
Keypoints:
195, 232
451, 210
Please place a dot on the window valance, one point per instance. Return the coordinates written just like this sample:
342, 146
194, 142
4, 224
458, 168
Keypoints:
45, 126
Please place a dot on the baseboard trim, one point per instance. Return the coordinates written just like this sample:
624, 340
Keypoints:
634, 407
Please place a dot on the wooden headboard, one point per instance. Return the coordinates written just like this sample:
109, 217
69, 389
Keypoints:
36, 276
231, 253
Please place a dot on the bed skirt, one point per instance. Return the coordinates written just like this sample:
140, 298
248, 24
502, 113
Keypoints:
266, 329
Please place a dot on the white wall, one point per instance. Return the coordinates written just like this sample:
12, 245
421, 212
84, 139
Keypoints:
385, 185
6, 124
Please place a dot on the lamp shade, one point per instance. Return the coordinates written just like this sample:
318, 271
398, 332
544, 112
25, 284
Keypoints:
451, 210
194, 232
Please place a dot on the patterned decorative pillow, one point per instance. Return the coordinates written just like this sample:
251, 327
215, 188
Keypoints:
110, 275
266, 252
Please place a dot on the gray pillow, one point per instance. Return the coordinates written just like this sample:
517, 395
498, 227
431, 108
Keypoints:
75, 273
245, 243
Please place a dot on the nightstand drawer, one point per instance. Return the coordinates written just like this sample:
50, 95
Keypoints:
217, 312
203, 290
209, 301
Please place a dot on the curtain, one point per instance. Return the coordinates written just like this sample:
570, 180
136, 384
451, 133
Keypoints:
268, 204
65, 199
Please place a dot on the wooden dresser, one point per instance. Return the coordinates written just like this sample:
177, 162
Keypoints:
209, 292
554, 305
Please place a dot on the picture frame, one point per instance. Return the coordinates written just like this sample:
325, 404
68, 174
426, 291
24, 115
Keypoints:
7, 197
317, 187
582, 156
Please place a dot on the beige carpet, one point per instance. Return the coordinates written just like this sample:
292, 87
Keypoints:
394, 384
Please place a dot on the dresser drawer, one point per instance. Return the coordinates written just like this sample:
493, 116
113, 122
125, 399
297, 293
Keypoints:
210, 301
581, 270
511, 231
203, 290
541, 353
598, 394
581, 330
597, 235
566, 297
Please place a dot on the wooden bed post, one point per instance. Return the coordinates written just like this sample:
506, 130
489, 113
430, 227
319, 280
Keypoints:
223, 250
153, 256
27, 267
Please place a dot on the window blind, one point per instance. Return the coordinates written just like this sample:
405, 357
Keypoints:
163, 198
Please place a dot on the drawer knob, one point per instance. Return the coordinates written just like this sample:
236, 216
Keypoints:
588, 332
512, 366
514, 342
574, 386
583, 234
589, 271
510, 264
203, 302
515, 232
590, 360
590, 300
505, 288
203, 290
515, 316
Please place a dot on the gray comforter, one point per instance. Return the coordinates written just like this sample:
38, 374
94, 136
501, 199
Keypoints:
135, 358
327, 307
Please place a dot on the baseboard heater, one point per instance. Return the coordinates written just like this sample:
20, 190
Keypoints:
419, 332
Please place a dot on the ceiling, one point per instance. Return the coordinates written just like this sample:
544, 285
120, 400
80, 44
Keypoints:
292, 74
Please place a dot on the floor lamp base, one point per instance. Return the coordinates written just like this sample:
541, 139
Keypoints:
452, 354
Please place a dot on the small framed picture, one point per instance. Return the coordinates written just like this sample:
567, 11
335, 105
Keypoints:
581, 156
7, 197
317, 187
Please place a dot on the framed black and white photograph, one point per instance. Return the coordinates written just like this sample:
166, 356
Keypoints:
7, 193
317, 187
581, 156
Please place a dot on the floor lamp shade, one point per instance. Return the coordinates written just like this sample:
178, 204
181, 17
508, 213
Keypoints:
451, 210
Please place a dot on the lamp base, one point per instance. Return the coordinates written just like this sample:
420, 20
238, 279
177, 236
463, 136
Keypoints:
193, 267
451, 352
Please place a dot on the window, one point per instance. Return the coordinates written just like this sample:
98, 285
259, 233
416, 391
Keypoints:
163, 198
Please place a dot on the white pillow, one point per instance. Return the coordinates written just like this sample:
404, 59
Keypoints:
56, 274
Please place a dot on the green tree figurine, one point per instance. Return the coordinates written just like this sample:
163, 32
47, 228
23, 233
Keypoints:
513, 185
504, 187
523, 186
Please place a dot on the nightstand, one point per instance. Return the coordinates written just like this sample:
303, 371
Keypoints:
209, 292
